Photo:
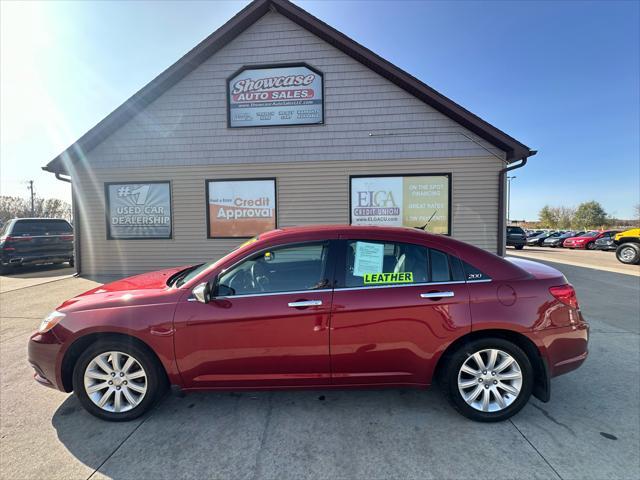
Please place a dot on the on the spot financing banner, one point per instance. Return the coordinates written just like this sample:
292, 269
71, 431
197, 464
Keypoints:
139, 210
410, 201
241, 208
275, 96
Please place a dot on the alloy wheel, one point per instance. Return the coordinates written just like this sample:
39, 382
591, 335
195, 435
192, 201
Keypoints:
490, 380
115, 381
627, 254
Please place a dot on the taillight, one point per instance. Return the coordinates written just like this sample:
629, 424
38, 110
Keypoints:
565, 294
19, 239
67, 237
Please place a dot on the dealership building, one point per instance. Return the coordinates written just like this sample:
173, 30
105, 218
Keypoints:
275, 120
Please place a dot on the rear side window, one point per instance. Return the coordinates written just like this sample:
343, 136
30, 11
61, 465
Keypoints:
440, 271
41, 227
372, 263
515, 230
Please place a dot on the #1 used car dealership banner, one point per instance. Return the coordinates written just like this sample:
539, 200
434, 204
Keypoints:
139, 210
410, 201
289, 95
241, 208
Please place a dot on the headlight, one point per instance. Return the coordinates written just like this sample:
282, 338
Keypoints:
50, 321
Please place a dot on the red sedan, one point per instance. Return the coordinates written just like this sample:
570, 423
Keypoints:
321, 307
588, 239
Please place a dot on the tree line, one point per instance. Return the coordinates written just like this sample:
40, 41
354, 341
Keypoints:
587, 215
18, 207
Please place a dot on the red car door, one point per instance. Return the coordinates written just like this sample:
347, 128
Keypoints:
387, 329
267, 325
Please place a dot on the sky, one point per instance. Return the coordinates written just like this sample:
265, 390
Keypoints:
561, 77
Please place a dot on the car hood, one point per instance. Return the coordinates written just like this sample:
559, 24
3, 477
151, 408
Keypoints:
143, 289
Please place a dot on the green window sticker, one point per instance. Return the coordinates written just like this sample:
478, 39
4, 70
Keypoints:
382, 278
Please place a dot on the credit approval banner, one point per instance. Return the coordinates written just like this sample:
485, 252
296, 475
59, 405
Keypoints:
290, 95
139, 210
241, 208
410, 201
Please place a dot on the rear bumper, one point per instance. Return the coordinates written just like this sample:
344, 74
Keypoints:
566, 347
42, 353
17, 259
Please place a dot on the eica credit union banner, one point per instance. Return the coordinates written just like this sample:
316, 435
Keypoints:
241, 208
139, 210
275, 96
410, 201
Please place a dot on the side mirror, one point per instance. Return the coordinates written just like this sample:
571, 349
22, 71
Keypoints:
202, 292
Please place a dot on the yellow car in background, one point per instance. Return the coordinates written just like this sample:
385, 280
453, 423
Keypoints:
628, 243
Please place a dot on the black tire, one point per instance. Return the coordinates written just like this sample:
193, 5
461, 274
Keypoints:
156, 378
449, 379
519, 247
628, 253
591, 246
72, 262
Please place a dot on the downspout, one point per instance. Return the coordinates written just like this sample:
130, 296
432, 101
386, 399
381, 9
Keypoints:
76, 221
501, 203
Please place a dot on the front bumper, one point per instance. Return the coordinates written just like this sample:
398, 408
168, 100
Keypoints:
606, 246
42, 353
516, 242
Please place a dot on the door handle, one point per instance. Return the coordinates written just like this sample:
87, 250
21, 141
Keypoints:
437, 295
305, 303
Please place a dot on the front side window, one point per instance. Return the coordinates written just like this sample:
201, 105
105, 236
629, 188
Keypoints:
278, 270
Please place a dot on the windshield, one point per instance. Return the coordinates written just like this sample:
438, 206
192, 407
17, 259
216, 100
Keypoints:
186, 275
590, 234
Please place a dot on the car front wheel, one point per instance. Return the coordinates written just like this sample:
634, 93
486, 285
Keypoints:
117, 380
489, 380
628, 253
519, 247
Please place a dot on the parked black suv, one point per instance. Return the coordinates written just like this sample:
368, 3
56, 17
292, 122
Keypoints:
29, 241
516, 237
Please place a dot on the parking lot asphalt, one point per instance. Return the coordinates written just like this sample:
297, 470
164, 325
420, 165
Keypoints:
598, 259
590, 429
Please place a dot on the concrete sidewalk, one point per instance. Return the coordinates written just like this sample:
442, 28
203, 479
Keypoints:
30, 276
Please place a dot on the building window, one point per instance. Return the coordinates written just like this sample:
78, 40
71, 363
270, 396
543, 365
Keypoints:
138, 210
421, 201
240, 208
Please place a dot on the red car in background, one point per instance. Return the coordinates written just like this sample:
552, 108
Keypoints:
588, 239
321, 307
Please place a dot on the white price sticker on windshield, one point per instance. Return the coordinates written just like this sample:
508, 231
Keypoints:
369, 258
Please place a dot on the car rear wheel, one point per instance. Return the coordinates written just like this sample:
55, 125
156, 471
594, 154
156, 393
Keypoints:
519, 247
117, 380
488, 380
628, 253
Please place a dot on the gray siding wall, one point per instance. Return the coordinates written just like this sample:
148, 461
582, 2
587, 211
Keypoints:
308, 193
183, 137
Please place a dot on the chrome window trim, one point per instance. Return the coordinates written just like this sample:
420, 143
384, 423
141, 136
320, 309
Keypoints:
456, 282
484, 280
292, 292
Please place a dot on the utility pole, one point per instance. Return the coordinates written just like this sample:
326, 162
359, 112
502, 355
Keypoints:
30, 187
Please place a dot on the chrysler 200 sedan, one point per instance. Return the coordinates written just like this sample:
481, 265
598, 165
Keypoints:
321, 307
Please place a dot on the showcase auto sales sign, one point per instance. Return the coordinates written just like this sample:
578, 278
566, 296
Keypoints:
275, 96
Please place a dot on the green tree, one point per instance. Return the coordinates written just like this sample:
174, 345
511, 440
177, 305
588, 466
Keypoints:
589, 215
546, 217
